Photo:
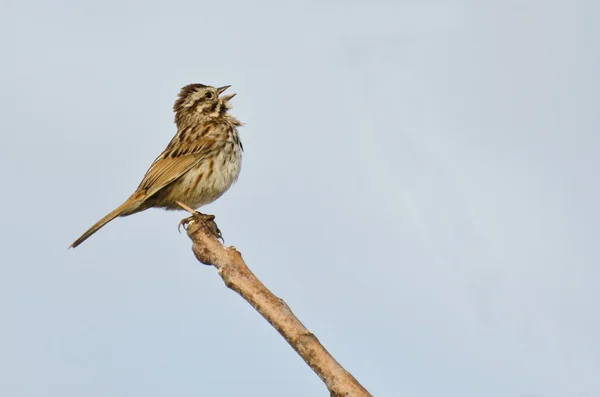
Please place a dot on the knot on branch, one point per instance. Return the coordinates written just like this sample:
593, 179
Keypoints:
207, 248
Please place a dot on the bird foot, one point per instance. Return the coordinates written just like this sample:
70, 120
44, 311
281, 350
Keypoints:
207, 220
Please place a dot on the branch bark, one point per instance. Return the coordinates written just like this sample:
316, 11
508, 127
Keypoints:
238, 277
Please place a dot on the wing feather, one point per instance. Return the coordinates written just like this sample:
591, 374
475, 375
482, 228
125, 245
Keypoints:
179, 157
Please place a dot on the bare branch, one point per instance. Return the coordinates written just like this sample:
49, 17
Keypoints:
239, 278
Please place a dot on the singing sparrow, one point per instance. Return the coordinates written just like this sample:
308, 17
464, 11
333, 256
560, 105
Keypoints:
200, 163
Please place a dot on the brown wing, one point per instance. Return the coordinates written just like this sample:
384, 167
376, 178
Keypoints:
179, 157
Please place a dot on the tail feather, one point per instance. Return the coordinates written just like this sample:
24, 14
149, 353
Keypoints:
120, 210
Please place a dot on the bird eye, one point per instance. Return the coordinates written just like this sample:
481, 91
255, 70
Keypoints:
208, 95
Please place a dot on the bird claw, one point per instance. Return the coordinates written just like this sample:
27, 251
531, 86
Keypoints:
207, 220
184, 222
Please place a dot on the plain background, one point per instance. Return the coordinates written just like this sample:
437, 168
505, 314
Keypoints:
420, 184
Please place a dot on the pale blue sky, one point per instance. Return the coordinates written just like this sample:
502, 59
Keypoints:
420, 184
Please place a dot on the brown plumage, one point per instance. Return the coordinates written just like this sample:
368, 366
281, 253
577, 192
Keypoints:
200, 163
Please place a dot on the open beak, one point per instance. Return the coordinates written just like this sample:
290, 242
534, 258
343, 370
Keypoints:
220, 90
224, 97
227, 97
